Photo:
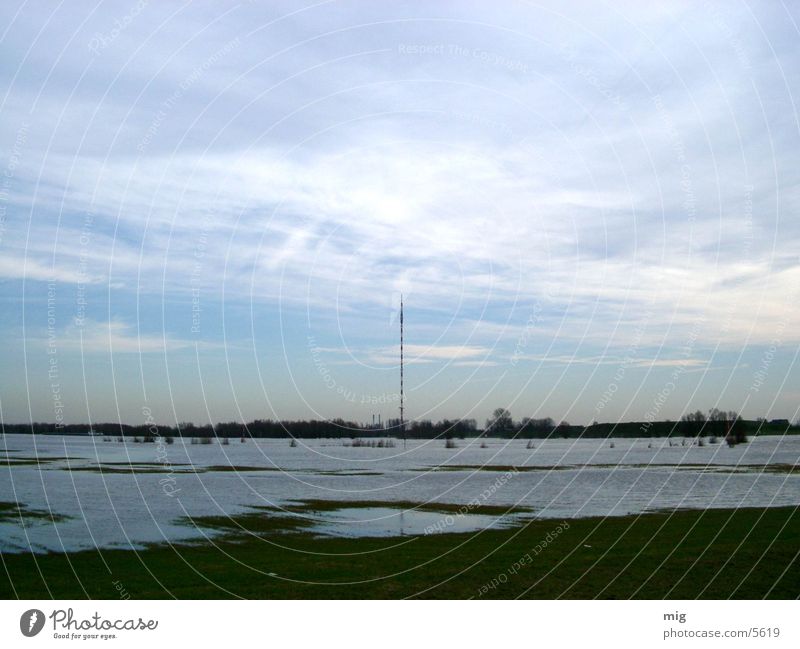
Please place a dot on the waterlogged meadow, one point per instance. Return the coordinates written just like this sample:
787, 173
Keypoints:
68, 493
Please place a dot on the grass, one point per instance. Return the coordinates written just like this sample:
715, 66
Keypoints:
34, 461
236, 469
14, 513
344, 473
123, 469
443, 508
744, 553
156, 467
138, 463
264, 522
695, 466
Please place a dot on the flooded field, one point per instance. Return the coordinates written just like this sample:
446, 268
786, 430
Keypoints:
72, 493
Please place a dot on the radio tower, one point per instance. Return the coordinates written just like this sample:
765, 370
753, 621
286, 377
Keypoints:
402, 395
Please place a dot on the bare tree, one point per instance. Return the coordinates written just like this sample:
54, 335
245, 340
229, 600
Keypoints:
500, 424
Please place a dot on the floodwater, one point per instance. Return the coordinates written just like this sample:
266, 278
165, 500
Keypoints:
399, 521
78, 493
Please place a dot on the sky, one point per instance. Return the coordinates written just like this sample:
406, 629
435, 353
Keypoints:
209, 210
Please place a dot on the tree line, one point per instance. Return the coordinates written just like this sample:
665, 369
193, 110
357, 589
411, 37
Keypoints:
715, 423
721, 424
261, 428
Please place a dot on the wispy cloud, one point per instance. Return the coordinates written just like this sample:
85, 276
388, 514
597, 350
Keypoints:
413, 354
113, 337
615, 360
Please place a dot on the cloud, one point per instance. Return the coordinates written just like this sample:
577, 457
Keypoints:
115, 337
414, 354
17, 266
615, 360
477, 364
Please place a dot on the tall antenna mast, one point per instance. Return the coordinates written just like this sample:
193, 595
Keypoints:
402, 394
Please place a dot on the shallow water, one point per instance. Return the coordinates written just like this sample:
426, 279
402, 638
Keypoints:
556, 479
397, 521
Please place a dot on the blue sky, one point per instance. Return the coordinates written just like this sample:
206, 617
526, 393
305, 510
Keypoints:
211, 209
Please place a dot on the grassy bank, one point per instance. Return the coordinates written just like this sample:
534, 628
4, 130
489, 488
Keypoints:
746, 553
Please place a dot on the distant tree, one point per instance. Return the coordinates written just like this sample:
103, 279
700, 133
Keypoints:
715, 414
540, 428
501, 423
696, 416
465, 427
736, 429
693, 424
727, 424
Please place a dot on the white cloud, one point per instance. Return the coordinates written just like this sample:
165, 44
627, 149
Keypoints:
413, 354
116, 337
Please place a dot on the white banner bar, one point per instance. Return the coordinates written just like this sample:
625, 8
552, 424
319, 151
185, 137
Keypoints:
400, 625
